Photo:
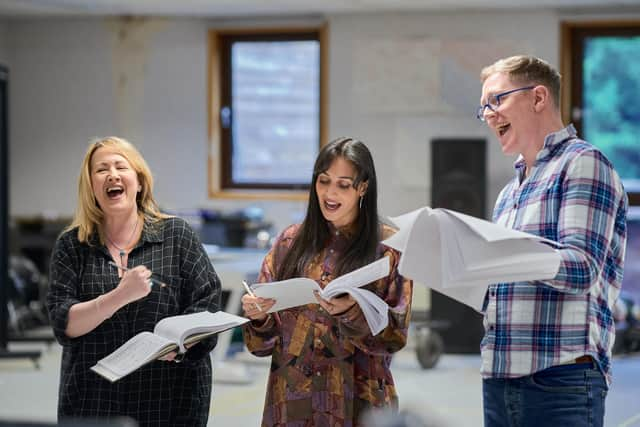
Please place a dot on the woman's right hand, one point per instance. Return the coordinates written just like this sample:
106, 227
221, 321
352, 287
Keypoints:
255, 308
135, 284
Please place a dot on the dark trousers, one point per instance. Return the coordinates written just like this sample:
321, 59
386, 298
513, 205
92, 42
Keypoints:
562, 396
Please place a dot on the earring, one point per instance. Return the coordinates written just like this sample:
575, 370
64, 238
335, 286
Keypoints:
360, 203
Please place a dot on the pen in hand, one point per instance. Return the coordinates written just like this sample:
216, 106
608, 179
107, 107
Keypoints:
153, 281
250, 292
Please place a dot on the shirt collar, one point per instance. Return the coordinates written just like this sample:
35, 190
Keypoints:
551, 141
152, 232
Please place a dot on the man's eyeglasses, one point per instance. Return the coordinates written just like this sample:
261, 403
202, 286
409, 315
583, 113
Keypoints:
493, 102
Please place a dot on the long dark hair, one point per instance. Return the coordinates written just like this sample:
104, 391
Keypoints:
314, 231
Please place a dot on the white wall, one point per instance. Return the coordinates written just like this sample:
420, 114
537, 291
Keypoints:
400, 139
76, 79
61, 96
73, 79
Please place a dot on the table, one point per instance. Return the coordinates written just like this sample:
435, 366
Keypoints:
233, 265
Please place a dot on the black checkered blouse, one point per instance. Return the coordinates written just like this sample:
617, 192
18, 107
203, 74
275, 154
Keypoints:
160, 393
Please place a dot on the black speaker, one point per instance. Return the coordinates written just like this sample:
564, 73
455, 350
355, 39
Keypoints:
458, 182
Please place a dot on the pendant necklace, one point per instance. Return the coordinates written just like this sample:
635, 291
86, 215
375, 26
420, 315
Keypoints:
122, 252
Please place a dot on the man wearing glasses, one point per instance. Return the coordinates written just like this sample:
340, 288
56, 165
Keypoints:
546, 353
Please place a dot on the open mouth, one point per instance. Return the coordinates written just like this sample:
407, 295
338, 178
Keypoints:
503, 128
331, 206
114, 192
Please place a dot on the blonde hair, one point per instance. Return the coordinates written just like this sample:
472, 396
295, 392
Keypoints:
526, 69
89, 216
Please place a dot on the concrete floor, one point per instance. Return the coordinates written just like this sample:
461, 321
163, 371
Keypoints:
448, 395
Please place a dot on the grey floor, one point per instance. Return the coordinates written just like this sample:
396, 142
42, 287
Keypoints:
448, 395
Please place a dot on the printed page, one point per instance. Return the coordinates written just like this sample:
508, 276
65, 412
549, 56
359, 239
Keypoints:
460, 255
474, 259
299, 291
177, 328
356, 278
288, 293
404, 224
134, 353
452, 259
374, 309
421, 254
491, 231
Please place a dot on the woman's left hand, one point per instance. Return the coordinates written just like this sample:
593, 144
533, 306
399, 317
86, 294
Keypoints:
171, 357
335, 306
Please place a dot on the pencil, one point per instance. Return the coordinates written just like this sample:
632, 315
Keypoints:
123, 268
250, 292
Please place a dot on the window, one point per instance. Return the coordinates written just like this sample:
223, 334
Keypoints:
266, 113
601, 65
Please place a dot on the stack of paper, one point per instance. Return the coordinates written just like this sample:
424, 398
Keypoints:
173, 333
299, 291
460, 255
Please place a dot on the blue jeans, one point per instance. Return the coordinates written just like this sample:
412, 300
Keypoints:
563, 396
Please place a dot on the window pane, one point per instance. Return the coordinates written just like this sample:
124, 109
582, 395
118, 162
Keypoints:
611, 107
275, 106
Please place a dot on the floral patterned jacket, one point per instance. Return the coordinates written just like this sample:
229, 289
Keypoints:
327, 370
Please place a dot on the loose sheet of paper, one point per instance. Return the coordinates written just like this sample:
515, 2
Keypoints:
460, 255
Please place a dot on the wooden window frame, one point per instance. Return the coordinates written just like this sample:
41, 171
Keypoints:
571, 52
218, 172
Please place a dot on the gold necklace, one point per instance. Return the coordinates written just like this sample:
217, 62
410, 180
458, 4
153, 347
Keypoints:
123, 252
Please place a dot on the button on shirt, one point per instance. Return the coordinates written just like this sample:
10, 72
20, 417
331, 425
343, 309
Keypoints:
574, 197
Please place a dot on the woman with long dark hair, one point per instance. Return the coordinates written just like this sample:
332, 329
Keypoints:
327, 368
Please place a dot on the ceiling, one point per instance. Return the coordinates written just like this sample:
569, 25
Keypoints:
245, 8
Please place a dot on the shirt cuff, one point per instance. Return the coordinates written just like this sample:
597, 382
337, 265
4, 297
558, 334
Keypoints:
351, 314
263, 325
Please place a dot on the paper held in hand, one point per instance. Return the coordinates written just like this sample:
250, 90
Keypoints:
460, 255
299, 291
170, 334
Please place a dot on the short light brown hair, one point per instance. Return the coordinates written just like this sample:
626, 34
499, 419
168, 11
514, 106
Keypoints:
524, 69
89, 216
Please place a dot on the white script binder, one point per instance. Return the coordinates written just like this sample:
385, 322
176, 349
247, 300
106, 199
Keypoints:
460, 255
170, 334
299, 291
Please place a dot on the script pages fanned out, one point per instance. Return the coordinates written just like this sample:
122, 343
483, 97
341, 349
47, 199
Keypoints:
169, 334
299, 291
460, 255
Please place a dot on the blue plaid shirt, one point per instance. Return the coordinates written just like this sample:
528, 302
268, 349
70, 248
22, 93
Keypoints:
574, 197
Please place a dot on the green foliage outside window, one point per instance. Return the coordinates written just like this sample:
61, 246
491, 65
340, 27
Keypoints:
611, 100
